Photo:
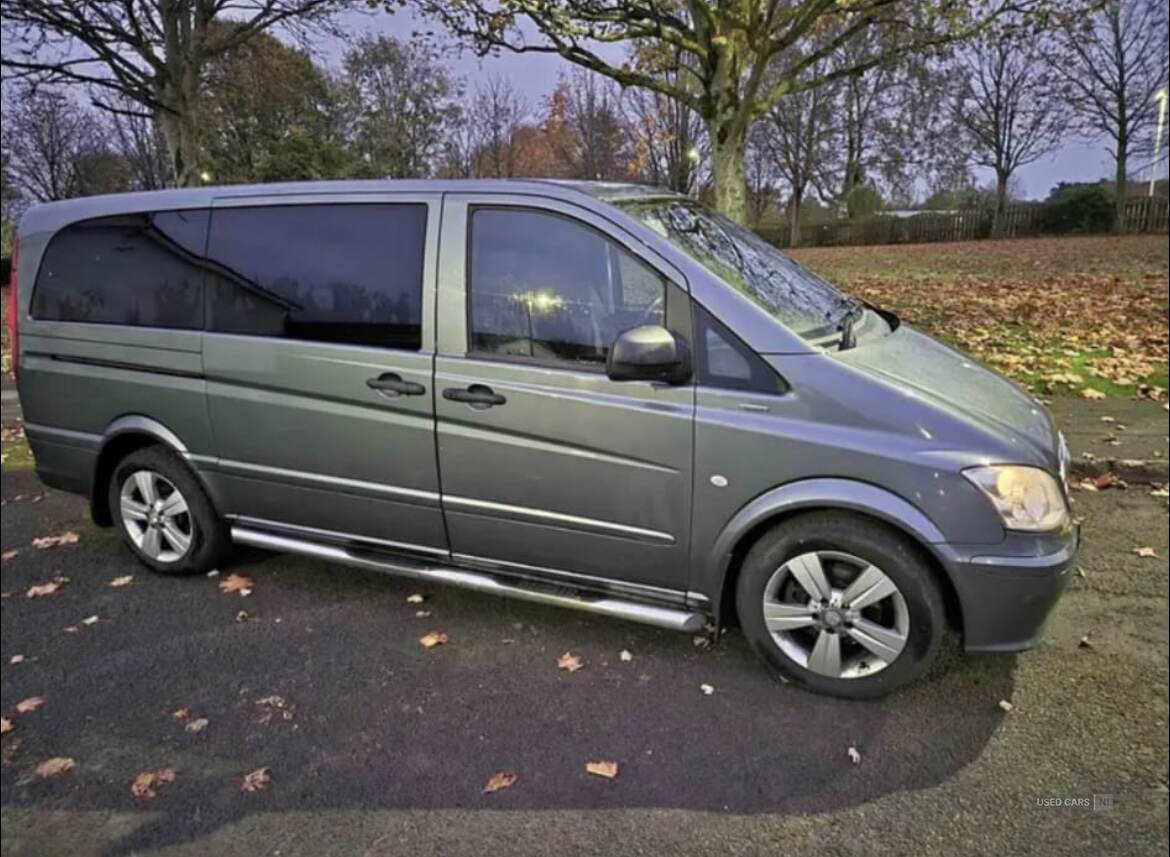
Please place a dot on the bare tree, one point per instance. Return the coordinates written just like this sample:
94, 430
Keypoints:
139, 140
799, 133
669, 138
151, 53
1113, 63
731, 78
498, 110
1006, 108
593, 144
47, 137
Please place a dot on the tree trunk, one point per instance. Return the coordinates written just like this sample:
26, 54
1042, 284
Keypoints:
1001, 193
729, 165
794, 206
1121, 186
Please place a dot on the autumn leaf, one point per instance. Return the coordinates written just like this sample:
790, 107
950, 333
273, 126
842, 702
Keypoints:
119, 582
90, 620
602, 768
624, 656
415, 598
854, 755
5, 726
8, 555
1145, 552
434, 638
257, 780
31, 704
1005, 705
570, 662
196, 725
1090, 393
47, 588
144, 784
67, 538
500, 780
181, 713
53, 767
237, 583
706, 689
1108, 480
16, 659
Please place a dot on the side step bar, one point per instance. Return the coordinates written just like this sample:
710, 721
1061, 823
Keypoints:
662, 617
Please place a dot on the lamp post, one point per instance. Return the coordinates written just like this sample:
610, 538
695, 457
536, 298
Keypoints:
1163, 96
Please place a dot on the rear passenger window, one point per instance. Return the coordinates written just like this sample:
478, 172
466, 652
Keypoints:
349, 273
141, 269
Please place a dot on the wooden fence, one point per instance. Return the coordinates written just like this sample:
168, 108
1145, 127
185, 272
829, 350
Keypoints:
1142, 214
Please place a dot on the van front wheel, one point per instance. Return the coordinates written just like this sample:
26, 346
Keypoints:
840, 604
164, 514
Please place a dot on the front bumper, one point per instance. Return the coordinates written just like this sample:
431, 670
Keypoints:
1006, 593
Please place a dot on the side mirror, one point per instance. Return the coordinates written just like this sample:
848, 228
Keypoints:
648, 353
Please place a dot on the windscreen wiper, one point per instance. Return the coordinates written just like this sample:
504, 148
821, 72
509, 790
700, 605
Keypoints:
853, 314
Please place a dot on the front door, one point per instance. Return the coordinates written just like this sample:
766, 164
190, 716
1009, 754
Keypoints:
318, 359
548, 467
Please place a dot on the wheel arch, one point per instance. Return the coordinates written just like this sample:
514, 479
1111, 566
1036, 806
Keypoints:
123, 436
820, 495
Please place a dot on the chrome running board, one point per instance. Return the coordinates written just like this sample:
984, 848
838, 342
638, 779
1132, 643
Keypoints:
422, 569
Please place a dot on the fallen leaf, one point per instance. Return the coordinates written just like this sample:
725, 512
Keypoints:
257, 780
243, 616
1145, 553
90, 620
196, 725
40, 590
1005, 705
1108, 480
8, 555
118, 582
1090, 393
498, 781
26, 706
1085, 642
274, 704
434, 638
414, 599
16, 659
181, 713
706, 689
625, 656
72, 629
213, 573
854, 755
570, 662
602, 768
701, 641
54, 767
67, 538
5, 725
144, 784
1163, 491
237, 583
422, 614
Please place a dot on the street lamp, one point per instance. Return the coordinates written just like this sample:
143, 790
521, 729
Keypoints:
1163, 96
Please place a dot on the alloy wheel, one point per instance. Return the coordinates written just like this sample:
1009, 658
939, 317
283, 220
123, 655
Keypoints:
156, 516
836, 614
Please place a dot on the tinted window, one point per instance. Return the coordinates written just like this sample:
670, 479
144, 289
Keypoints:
327, 273
549, 287
724, 361
138, 269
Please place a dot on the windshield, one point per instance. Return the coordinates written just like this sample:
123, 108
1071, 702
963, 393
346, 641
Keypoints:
786, 290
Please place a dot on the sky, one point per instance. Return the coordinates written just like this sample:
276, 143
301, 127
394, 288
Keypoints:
536, 74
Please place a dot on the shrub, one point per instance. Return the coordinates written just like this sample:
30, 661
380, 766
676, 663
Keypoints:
1078, 208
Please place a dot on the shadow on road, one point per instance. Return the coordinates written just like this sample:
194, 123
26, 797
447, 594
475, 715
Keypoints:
369, 719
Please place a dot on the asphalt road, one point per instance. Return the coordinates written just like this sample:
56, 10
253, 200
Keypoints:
383, 747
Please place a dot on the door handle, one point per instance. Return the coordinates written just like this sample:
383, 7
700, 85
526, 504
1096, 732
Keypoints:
391, 384
477, 395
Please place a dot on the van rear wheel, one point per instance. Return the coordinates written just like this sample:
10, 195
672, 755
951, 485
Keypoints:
164, 515
841, 604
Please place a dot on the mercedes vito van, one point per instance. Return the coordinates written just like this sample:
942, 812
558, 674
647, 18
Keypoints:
597, 396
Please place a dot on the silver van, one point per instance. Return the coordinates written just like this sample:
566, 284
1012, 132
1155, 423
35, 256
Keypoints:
591, 395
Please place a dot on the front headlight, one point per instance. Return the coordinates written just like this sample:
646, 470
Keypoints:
1027, 498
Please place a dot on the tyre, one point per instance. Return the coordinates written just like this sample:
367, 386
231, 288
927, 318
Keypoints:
840, 604
164, 514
